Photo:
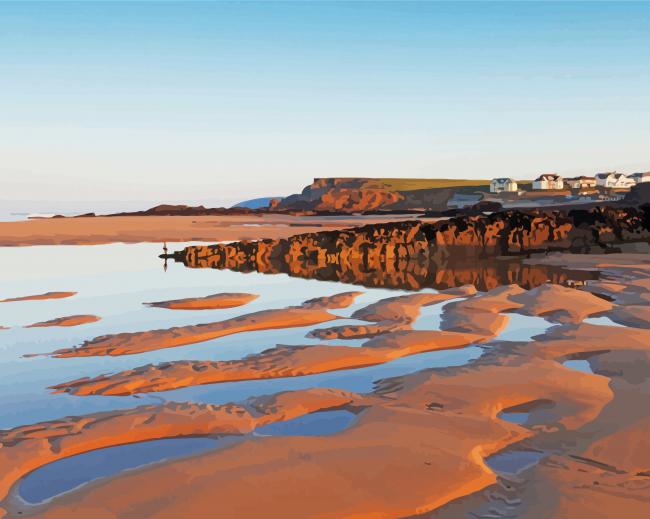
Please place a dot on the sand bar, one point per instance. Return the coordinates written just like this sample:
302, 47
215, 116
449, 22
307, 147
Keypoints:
39, 297
211, 302
70, 320
311, 312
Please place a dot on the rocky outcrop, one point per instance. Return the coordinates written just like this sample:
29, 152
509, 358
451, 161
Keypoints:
413, 254
340, 195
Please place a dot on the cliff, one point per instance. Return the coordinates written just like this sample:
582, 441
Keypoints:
373, 194
412, 254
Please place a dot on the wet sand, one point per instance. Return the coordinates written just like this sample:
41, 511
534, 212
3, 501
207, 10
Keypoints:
420, 444
393, 338
555, 303
389, 315
136, 229
470, 321
601, 470
413, 429
633, 315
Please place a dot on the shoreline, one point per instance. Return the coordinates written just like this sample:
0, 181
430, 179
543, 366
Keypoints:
100, 230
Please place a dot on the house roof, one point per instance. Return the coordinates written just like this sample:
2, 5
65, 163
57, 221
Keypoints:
581, 177
503, 180
608, 173
641, 174
549, 176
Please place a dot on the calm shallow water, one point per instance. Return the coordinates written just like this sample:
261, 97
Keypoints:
511, 462
523, 327
518, 418
322, 423
603, 321
580, 365
112, 282
68, 474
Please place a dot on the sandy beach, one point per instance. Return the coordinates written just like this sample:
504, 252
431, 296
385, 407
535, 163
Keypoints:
581, 425
136, 229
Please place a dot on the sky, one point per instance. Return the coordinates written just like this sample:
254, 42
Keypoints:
218, 102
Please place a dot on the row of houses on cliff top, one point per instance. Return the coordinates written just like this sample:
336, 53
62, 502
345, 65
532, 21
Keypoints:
553, 182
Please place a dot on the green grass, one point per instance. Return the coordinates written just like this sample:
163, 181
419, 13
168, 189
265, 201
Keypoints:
412, 184
460, 185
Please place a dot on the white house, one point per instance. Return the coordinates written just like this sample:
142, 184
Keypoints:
580, 182
614, 180
640, 178
503, 185
548, 181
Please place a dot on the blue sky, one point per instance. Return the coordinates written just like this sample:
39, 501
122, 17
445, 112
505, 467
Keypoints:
223, 101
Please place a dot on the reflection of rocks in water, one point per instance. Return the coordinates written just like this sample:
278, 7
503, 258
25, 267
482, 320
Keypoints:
413, 254
408, 275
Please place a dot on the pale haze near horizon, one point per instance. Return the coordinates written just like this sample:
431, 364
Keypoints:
121, 104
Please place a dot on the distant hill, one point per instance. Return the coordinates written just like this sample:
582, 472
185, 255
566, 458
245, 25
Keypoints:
183, 210
257, 203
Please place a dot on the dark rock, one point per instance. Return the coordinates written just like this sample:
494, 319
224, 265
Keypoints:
409, 250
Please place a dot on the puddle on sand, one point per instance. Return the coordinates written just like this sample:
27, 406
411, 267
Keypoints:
520, 414
518, 418
321, 423
523, 327
61, 476
430, 316
602, 321
67, 474
580, 365
512, 462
